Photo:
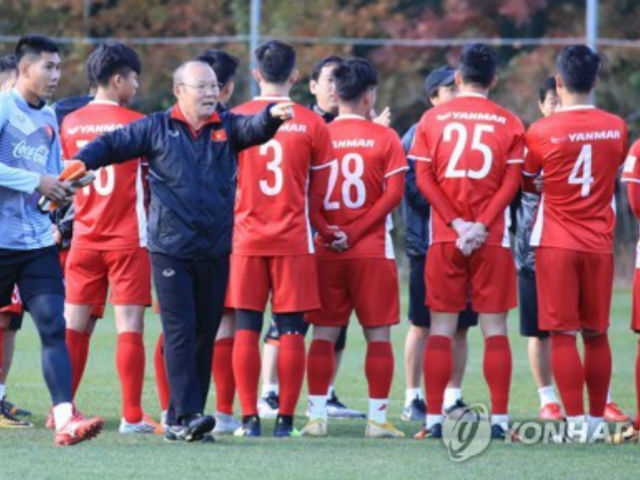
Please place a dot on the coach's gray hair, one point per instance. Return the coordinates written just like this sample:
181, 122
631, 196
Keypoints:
178, 74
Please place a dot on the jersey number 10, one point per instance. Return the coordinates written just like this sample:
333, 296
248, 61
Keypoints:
105, 177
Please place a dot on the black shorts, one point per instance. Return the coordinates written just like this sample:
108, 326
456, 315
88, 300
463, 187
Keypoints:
273, 336
35, 271
529, 305
419, 314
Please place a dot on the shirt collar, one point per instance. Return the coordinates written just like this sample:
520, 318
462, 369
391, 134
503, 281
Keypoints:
350, 116
104, 102
273, 98
472, 94
23, 101
177, 114
575, 107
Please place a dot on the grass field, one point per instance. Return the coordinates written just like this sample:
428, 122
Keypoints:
30, 454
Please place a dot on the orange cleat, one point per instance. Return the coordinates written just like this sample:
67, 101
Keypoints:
613, 414
50, 424
159, 429
551, 412
78, 429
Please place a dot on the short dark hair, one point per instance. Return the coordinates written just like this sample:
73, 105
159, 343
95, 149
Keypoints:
109, 59
7, 63
316, 70
549, 85
224, 64
33, 44
354, 77
579, 66
276, 61
478, 64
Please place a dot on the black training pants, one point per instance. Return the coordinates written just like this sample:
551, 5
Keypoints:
191, 294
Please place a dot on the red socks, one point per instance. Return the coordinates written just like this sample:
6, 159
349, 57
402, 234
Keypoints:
378, 367
291, 362
497, 372
568, 373
246, 369
437, 371
78, 346
130, 362
223, 375
320, 366
162, 381
597, 372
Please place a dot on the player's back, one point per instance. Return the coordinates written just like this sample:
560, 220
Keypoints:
110, 213
366, 155
271, 211
579, 150
470, 141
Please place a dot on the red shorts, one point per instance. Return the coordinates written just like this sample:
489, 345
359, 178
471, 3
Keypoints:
367, 285
15, 308
292, 281
487, 276
574, 289
64, 255
90, 273
635, 316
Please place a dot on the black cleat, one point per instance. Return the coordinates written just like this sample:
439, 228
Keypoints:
461, 411
337, 409
416, 410
250, 427
175, 433
13, 409
434, 432
197, 426
284, 427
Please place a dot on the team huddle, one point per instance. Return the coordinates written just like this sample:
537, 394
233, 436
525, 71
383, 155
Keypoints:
271, 200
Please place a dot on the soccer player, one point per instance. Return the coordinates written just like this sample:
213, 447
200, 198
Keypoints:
224, 65
10, 315
631, 176
538, 341
28, 256
322, 87
578, 149
356, 265
272, 243
439, 87
469, 153
108, 247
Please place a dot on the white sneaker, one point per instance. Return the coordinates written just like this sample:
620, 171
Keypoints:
268, 405
226, 423
381, 430
141, 427
315, 428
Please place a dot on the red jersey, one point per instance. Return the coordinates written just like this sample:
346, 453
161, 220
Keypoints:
271, 209
631, 174
109, 213
367, 154
468, 143
578, 150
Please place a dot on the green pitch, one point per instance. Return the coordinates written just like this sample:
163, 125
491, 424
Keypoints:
30, 454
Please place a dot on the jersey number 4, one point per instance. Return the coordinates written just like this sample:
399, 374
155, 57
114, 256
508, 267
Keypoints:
581, 171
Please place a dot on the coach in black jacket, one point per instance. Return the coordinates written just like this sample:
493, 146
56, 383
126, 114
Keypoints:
192, 153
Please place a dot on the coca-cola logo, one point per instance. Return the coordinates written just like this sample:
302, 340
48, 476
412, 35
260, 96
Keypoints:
37, 154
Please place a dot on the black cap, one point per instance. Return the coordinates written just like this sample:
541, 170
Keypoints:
438, 78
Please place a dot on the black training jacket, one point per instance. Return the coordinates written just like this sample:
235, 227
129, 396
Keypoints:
191, 174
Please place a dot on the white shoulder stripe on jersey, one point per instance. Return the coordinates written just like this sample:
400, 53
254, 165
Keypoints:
516, 160
323, 165
397, 170
420, 159
632, 180
529, 174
